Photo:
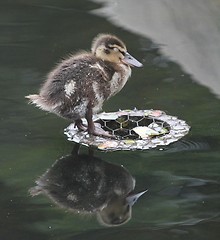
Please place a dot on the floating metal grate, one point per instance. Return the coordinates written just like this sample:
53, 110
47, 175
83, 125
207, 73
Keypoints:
132, 129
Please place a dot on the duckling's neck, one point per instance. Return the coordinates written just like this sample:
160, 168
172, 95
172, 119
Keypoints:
119, 78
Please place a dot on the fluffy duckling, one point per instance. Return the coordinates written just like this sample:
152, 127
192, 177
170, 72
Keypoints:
78, 86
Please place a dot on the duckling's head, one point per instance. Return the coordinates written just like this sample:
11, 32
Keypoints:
110, 48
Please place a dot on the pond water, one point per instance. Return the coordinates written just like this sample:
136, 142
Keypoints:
183, 179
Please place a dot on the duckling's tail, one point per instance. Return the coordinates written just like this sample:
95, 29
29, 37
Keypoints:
39, 102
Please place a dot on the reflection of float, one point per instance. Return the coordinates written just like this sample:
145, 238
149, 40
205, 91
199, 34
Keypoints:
136, 129
88, 185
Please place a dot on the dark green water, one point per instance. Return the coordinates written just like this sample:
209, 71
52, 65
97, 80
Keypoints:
183, 201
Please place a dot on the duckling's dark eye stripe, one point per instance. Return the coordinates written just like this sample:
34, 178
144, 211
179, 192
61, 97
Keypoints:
123, 53
109, 46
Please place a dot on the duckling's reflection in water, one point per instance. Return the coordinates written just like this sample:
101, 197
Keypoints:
86, 184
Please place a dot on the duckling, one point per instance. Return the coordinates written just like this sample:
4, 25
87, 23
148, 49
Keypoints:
78, 86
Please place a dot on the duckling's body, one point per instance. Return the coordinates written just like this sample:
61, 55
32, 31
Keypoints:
78, 82
79, 85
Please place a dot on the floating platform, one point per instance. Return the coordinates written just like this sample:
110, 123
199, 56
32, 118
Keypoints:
131, 130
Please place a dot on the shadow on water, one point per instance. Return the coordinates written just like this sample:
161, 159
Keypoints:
85, 184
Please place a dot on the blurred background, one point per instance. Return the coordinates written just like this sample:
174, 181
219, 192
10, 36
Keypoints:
178, 43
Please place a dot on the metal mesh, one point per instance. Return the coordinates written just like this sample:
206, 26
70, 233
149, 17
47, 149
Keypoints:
123, 126
132, 129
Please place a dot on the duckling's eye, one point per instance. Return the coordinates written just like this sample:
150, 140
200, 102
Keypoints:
109, 47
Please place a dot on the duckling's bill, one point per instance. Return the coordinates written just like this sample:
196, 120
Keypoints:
128, 59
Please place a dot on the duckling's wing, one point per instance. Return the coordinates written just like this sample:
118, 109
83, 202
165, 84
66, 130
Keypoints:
76, 78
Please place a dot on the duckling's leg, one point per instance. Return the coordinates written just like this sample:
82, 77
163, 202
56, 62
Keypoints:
92, 128
80, 125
